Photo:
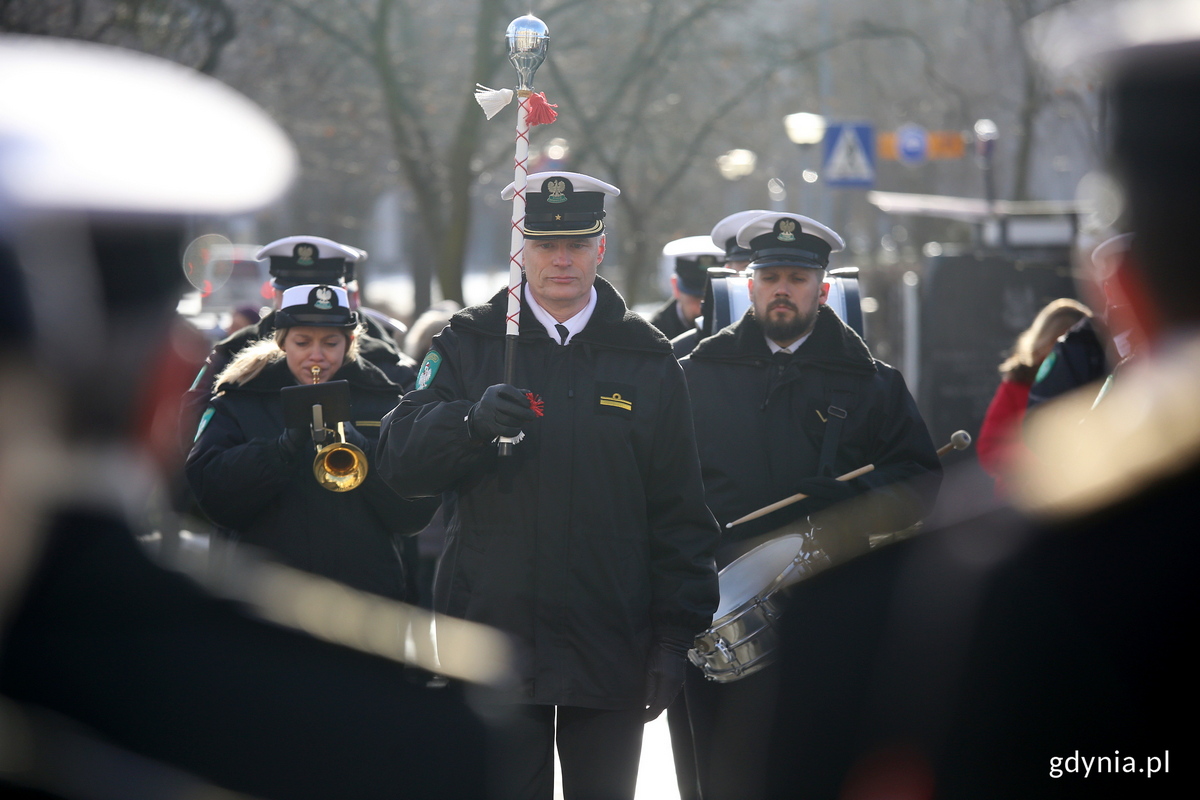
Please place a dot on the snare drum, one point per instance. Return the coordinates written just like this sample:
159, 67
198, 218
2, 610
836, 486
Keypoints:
743, 639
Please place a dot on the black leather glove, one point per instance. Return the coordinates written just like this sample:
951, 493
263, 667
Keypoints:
292, 442
664, 676
826, 492
501, 411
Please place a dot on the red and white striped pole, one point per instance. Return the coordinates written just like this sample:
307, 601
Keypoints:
528, 41
516, 251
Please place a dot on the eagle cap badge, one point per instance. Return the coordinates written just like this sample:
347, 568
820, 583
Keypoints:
786, 226
305, 254
556, 188
324, 297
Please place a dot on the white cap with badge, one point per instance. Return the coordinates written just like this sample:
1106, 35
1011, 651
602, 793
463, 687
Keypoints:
299, 260
562, 205
317, 305
782, 239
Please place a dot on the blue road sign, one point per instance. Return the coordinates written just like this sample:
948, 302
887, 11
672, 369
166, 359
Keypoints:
850, 155
912, 145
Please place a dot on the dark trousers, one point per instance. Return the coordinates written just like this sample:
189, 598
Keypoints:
598, 751
682, 748
729, 724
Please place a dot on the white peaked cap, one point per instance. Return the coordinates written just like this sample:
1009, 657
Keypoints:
728, 228
96, 128
298, 296
764, 223
326, 248
692, 246
582, 183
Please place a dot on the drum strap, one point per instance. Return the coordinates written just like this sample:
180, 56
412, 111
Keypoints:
840, 392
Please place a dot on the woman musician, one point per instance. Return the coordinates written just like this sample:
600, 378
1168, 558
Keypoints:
255, 477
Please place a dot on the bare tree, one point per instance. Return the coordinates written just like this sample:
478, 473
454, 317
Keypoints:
409, 49
686, 78
378, 96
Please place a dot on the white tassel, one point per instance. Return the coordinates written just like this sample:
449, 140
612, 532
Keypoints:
492, 100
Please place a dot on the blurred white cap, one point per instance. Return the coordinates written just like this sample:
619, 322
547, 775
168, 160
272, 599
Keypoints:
95, 128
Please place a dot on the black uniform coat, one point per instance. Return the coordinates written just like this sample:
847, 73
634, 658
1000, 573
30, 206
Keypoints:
591, 541
667, 320
143, 658
760, 427
686, 342
244, 481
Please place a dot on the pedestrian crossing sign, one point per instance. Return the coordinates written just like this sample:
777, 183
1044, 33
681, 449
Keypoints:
850, 155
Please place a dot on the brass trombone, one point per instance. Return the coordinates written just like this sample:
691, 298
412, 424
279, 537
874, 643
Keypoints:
339, 466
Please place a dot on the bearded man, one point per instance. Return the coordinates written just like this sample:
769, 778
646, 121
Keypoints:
784, 401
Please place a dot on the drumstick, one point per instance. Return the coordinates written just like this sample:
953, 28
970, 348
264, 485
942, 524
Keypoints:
796, 498
959, 440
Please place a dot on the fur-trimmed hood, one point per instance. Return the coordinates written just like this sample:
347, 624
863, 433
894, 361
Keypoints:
274, 375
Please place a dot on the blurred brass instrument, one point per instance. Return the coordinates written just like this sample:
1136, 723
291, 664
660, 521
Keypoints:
339, 466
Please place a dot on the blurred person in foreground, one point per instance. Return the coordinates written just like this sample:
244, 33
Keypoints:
1128, 339
253, 475
1097, 347
590, 543
127, 678
1039, 650
999, 439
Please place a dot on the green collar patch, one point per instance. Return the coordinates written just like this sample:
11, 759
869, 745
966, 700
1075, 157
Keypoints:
204, 420
429, 368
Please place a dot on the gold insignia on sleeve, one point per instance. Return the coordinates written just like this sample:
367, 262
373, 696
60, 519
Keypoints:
616, 401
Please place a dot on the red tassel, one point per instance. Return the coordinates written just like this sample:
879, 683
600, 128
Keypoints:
540, 112
536, 404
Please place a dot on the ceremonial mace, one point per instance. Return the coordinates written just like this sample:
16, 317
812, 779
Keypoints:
528, 41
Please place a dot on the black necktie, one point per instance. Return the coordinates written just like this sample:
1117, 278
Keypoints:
782, 357
563, 333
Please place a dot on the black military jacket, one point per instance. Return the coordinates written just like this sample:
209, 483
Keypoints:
375, 346
246, 482
591, 541
667, 320
760, 427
